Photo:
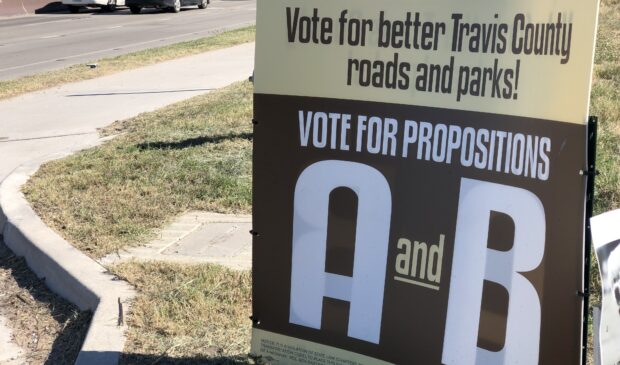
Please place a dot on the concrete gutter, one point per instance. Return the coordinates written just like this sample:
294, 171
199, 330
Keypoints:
66, 270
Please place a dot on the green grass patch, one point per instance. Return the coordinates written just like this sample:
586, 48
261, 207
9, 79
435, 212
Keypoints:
196, 314
193, 155
605, 104
107, 66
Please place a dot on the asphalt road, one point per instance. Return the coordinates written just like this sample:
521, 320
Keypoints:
37, 43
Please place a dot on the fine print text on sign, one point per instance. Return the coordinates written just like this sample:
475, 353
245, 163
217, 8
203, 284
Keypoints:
417, 196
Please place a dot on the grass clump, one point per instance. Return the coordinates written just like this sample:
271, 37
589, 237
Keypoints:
193, 155
107, 66
184, 314
605, 103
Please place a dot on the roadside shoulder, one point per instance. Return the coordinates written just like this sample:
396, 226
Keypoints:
66, 270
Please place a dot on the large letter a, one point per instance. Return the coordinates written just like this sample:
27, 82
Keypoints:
309, 281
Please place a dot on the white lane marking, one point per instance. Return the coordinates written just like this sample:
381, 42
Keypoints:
83, 32
90, 18
48, 22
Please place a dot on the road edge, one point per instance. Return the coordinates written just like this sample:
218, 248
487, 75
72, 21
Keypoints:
66, 270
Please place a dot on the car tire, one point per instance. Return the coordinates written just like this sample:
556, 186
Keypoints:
203, 4
135, 9
73, 9
176, 7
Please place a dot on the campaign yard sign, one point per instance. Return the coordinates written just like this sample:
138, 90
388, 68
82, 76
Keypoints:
417, 195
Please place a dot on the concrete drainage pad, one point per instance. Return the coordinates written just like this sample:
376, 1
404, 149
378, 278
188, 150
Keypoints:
198, 237
216, 239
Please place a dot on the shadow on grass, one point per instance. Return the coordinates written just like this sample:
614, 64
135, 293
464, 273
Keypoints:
193, 142
74, 323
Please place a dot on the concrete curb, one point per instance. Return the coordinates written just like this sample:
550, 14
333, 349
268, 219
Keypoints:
66, 270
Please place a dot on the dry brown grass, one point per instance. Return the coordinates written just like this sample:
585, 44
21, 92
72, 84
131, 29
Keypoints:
126, 62
187, 314
47, 328
193, 155
605, 104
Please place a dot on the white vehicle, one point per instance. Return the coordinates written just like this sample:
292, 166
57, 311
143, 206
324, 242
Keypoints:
105, 5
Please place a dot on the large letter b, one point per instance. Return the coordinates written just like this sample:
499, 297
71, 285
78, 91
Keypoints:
473, 263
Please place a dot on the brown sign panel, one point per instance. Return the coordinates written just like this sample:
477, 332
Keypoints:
402, 223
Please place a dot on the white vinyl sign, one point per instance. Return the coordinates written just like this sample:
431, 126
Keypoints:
606, 241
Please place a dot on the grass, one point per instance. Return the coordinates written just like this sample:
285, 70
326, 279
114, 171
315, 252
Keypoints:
107, 66
197, 155
605, 104
187, 314
193, 155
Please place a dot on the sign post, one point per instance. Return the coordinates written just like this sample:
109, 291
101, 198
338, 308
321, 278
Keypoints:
417, 187
590, 172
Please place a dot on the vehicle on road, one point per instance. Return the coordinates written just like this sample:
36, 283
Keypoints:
105, 5
174, 6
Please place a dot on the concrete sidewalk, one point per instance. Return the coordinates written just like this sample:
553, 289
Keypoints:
45, 125
67, 117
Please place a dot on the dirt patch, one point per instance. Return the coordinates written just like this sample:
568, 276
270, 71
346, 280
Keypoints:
47, 328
